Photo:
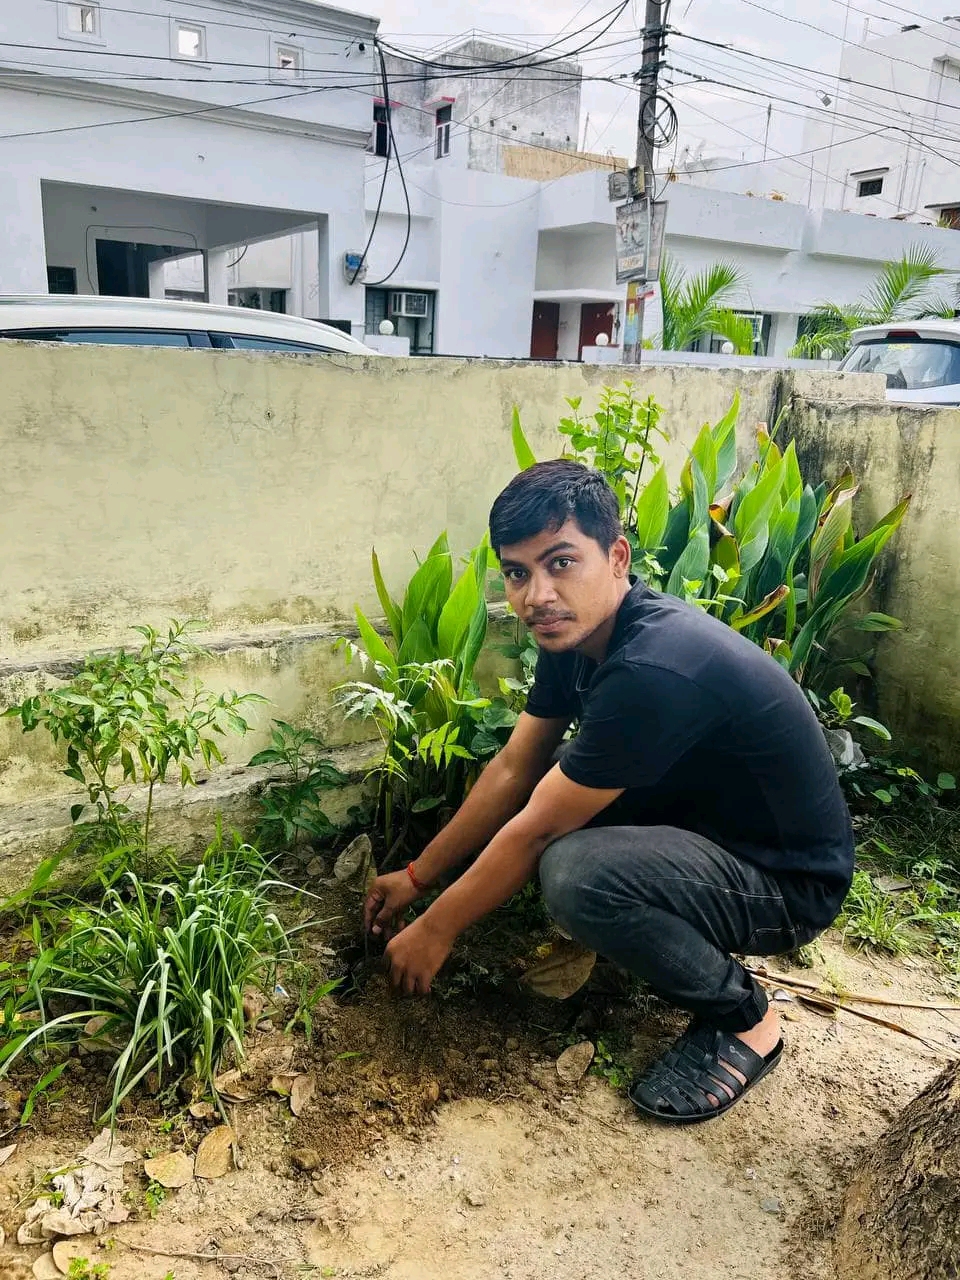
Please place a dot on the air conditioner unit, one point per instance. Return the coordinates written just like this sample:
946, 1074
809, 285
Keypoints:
415, 305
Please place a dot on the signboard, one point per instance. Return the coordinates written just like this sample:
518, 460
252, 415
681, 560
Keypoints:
637, 293
640, 227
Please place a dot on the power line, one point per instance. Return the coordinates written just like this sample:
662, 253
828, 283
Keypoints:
391, 147
213, 22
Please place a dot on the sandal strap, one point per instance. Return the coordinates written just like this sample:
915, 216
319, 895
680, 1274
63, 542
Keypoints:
690, 1072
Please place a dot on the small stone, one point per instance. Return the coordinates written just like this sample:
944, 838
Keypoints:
46, 1269
490, 1065
389, 1173
476, 1199
305, 1158
484, 1051
316, 868
202, 1110
770, 1204
511, 1044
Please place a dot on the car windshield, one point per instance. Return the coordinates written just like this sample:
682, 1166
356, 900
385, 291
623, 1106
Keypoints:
913, 364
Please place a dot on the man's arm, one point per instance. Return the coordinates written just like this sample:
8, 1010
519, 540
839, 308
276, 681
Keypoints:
503, 787
556, 807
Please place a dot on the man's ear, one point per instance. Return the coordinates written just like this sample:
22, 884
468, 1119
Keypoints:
620, 557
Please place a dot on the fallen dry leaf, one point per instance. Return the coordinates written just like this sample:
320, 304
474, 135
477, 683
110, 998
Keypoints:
573, 1062
173, 1169
301, 1092
230, 1085
215, 1153
562, 972
282, 1084
7, 1152
64, 1251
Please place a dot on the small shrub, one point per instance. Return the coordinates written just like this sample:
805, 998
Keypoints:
129, 717
291, 809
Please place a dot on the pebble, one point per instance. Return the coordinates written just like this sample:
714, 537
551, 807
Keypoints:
770, 1204
511, 1044
476, 1198
305, 1158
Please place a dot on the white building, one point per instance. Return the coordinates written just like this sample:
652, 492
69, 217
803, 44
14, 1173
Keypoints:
885, 140
130, 137
144, 154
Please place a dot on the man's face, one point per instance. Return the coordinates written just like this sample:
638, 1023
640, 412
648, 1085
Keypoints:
563, 585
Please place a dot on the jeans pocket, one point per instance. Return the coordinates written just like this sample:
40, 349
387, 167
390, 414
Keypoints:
772, 942
776, 942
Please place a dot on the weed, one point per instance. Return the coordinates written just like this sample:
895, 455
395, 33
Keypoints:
84, 1269
291, 809
166, 964
40, 1089
154, 1197
606, 1065
871, 918
307, 1001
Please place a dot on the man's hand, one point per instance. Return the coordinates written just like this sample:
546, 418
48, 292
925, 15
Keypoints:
415, 956
388, 898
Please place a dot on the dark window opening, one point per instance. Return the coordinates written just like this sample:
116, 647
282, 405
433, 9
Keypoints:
61, 279
950, 217
259, 299
869, 187
444, 117
381, 131
387, 304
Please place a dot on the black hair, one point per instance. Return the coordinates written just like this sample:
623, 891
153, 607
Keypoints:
546, 496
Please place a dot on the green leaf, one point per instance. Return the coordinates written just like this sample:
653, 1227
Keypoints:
725, 441
418, 645
878, 622
75, 811
883, 796
521, 449
946, 782
874, 726
374, 643
767, 605
425, 803
751, 522
692, 564
391, 610
652, 511
429, 590
456, 616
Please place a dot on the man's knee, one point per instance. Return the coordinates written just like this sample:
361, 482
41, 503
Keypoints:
563, 878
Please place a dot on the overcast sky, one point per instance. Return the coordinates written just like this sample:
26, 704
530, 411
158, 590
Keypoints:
717, 118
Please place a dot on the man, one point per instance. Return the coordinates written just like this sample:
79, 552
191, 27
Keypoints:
696, 813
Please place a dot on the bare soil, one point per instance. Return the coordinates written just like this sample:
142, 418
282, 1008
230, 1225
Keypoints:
440, 1143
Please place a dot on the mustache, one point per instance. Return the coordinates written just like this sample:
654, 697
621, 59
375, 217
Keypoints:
535, 619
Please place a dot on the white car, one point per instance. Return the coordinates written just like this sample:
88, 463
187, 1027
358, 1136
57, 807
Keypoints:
153, 322
920, 359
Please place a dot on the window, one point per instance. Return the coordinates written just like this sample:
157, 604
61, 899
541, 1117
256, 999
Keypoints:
390, 304
869, 184
444, 116
950, 217
79, 21
381, 130
114, 337
189, 42
61, 279
247, 342
909, 362
259, 299
287, 61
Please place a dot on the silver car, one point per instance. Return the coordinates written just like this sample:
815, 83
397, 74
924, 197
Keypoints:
919, 358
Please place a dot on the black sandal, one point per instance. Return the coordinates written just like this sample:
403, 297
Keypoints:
676, 1089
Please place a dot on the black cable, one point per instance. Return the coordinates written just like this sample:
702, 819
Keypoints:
386, 169
236, 262
403, 182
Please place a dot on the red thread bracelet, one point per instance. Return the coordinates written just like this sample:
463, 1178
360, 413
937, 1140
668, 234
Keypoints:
417, 884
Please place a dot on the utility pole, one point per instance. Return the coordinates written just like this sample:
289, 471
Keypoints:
648, 79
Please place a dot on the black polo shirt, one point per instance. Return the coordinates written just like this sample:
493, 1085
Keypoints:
706, 732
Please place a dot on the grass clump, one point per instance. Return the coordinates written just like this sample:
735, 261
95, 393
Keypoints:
162, 966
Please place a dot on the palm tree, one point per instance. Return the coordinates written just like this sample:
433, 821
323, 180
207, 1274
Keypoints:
902, 291
694, 306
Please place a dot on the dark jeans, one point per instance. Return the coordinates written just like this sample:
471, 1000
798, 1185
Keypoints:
670, 907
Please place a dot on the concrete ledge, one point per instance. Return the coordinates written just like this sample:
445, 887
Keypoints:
183, 817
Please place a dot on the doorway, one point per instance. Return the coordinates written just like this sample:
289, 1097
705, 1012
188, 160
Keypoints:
595, 317
123, 267
545, 333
